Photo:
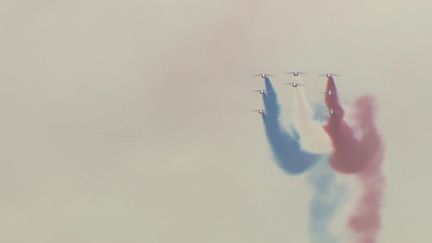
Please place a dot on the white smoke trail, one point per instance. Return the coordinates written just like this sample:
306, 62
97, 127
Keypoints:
313, 137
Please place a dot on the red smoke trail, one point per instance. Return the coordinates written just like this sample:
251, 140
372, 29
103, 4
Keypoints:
348, 156
359, 150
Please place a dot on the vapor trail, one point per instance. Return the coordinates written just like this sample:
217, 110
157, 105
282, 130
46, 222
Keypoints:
285, 147
313, 137
361, 155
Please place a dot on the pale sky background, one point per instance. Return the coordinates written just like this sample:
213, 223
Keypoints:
129, 121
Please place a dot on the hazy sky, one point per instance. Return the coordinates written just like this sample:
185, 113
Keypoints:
129, 121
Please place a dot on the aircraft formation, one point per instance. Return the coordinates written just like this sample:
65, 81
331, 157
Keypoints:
294, 84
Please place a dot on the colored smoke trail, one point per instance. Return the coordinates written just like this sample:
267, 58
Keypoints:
328, 196
327, 199
366, 221
285, 147
348, 156
313, 137
361, 155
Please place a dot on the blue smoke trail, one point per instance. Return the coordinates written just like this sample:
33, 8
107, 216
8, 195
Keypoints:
326, 200
327, 196
285, 147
